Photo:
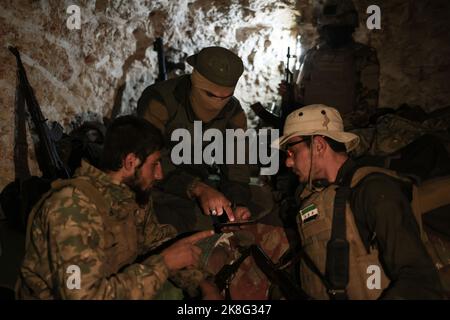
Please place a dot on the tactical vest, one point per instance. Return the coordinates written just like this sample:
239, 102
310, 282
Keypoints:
332, 79
315, 224
182, 116
120, 232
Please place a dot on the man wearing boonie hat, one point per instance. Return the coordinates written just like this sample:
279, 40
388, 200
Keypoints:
205, 95
358, 230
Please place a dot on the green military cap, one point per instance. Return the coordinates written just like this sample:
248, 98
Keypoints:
218, 65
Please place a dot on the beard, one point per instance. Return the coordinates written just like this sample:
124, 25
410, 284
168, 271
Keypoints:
142, 196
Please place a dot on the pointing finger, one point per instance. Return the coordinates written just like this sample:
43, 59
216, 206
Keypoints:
199, 236
229, 213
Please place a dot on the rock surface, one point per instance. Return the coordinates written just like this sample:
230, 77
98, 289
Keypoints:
82, 74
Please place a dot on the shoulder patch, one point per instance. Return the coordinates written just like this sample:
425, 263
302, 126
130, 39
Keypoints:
309, 213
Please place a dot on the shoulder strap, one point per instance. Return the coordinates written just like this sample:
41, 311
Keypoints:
299, 255
336, 276
166, 90
337, 263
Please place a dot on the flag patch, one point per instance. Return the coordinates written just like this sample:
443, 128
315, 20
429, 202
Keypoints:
309, 213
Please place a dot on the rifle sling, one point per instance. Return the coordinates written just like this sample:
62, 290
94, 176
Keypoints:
338, 249
289, 289
302, 255
335, 279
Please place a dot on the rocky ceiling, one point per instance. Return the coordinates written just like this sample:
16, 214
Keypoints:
106, 64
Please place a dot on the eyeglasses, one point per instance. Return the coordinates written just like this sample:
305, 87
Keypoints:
289, 152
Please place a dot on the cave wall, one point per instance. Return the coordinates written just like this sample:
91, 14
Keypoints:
82, 74
413, 48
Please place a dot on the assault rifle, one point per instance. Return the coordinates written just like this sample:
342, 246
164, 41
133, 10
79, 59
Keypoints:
164, 66
50, 163
286, 100
18, 197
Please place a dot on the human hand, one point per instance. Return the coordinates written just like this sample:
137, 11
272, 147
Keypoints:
212, 201
283, 88
242, 213
184, 252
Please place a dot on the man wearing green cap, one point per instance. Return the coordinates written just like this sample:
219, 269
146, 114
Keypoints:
206, 95
357, 224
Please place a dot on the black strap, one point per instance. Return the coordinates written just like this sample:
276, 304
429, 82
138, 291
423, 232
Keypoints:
224, 276
302, 255
276, 276
337, 264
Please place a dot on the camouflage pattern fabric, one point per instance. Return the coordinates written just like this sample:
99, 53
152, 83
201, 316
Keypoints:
69, 230
389, 135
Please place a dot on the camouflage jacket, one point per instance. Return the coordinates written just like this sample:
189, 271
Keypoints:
68, 234
328, 72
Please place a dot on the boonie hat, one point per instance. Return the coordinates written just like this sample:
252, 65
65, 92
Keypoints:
317, 119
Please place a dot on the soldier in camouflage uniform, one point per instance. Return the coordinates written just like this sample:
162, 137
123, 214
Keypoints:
97, 224
339, 71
